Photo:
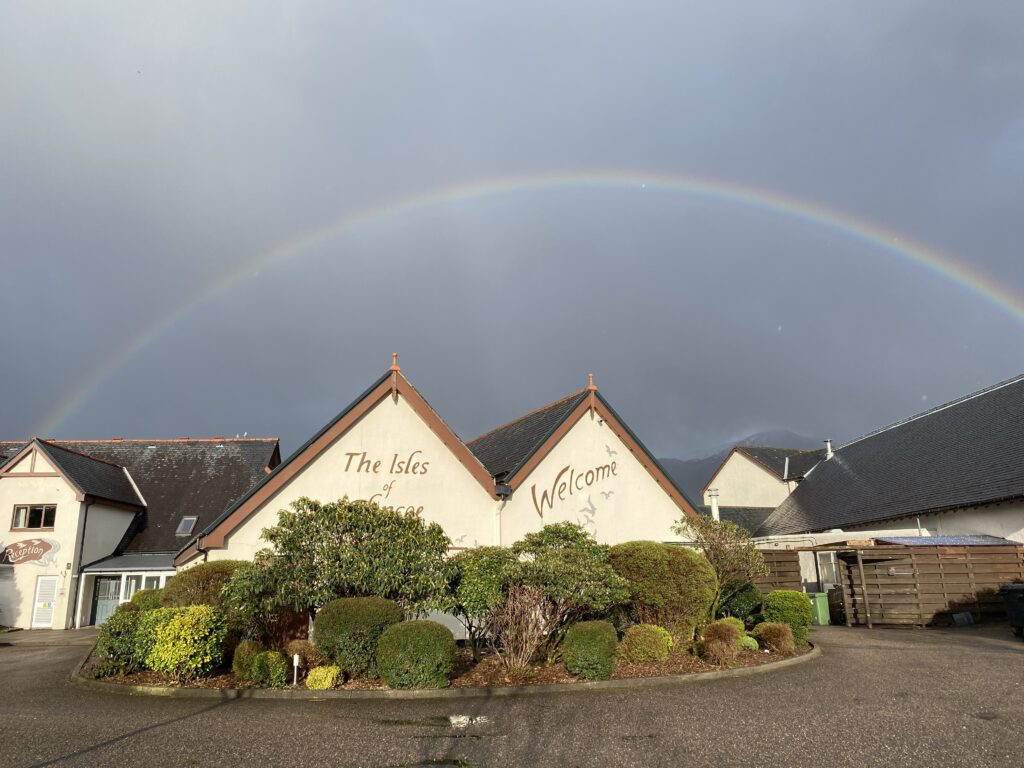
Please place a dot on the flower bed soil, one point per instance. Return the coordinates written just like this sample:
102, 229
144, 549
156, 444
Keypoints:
489, 673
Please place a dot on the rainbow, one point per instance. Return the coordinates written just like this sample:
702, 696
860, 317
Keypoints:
888, 241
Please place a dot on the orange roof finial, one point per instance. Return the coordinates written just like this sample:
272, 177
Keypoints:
590, 383
394, 362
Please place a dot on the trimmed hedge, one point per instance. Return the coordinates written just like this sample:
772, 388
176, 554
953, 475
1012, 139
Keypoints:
721, 642
190, 644
670, 586
589, 649
116, 642
149, 624
199, 585
324, 678
416, 654
789, 607
775, 636
147, 599
346, 631
245, 654
645, 643
270, 668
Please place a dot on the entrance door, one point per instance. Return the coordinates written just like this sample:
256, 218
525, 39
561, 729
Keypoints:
46, 595
106, 596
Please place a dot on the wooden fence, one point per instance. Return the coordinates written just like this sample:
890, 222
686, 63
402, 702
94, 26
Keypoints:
918, 586
783, 570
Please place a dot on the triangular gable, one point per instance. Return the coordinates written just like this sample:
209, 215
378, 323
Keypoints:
392, 384
598, 407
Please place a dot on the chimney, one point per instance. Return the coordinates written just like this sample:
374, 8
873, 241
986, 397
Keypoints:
828, 449
713, 495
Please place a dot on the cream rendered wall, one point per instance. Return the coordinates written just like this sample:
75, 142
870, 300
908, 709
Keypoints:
623, 506
19, 593
364, 464
104, 527
1004, 520
742, 482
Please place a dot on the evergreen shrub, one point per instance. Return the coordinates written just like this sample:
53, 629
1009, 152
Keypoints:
200, 585
324, 678
589, 649
270, 668
245, 654
775, 636
116, 641
789, 607
416, 654
645, 643
721, 642
191, 644
748, 643
309, 656
669, 586
743, 602
146, 630
346, 631
147, 599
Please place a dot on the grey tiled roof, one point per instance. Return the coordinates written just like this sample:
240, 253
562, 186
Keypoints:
748, 518
139, 561
95, 477
774, 459
964, 453
503, 450
178, 478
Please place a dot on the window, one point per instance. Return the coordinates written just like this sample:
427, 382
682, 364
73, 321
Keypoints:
152, 582
185, 526
33, 517
131, 586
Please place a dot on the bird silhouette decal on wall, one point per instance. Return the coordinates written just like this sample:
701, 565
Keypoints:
608, 448
606, 494
587, 521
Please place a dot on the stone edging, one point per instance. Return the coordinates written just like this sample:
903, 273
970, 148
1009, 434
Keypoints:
635, 683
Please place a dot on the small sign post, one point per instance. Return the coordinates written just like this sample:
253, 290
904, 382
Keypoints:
295, 665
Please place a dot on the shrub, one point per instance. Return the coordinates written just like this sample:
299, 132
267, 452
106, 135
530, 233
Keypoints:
645, 643
478, 588
589, 649
775, 636
270, 668
200, 585
190, 644
147, 599
518, 629
347, 630
721, 642
743, 601
789, 607
245, 653
116, 642
146, 631
416, 654
324, 678
309, 656
99, 667
740, 626
748, 643
669, 586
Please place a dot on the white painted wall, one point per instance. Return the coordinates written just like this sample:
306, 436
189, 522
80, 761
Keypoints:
365, 463
742, 482
622, 503
104, 528
1006, 520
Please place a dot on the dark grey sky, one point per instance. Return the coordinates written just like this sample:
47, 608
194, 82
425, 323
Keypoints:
151, 151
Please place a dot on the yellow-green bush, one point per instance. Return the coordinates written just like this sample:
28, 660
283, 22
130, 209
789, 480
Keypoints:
146, 631
324, 678
645, 643
270, 668
190, 644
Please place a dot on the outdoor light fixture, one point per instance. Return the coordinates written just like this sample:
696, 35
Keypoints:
295, 668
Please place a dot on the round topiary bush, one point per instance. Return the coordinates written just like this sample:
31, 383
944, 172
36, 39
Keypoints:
270, 668
147, 599
670, 586
748, 643
589, 649
199, 585
245, 654
740, 626
416, 654
146, 630
644, 643
191, 644
116, 641
324, 678
789, 607
720, 643
775, 637
309, 656
346, 631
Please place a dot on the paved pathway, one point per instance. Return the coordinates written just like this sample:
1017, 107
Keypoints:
875, 698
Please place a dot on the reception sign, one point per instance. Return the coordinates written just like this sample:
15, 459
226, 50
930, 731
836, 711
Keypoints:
36, 551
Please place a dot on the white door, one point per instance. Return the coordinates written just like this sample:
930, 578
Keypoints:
46, 595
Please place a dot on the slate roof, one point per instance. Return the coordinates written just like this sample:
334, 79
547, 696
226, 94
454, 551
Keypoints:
979, 540
964, 453
774, 459
748, 518
503, 450
175, 478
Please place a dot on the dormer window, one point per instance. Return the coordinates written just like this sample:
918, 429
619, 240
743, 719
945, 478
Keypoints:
186, 525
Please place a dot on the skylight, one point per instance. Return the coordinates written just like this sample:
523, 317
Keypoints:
186, 525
